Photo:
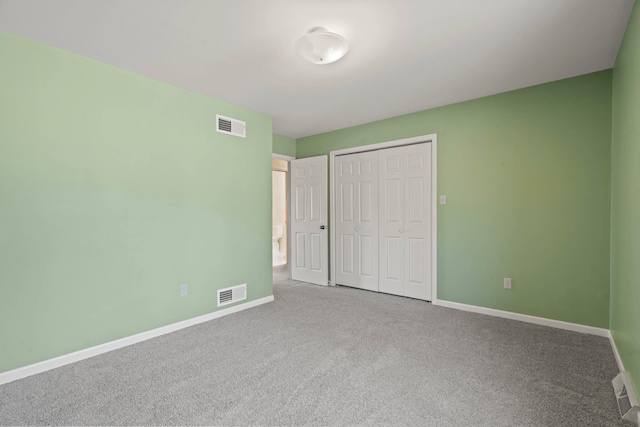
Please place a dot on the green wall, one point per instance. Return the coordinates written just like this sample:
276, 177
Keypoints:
114, 190
526, 174
625, 201
284, 145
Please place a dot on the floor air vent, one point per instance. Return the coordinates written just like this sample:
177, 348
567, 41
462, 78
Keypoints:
627, 402
233, 294
231, 126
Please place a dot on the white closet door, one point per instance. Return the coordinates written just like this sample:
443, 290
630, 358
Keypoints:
405, 221
309, 243
357, 220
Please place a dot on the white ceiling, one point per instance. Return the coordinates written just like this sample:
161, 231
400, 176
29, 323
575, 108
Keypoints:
405, 55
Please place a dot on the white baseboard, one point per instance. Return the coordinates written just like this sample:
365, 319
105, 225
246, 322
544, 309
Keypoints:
614, 347
575, 327
36, 368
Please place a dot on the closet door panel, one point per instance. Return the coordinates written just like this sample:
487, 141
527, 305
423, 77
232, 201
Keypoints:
346, 245
394, 264
345, 209
368, 255
405, 221
391, 217
417, 219
357, 220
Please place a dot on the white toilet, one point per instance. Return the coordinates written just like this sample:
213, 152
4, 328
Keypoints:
277, 232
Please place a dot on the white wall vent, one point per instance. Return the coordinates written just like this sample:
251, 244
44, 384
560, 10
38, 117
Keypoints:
233, 294
627, 401
231, 126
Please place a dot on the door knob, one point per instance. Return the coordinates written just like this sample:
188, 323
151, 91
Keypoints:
355, 228
322, 227
401, 231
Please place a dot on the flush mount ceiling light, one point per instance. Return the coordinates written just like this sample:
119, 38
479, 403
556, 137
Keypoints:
319, 46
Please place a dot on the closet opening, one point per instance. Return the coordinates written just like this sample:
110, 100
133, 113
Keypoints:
383, 213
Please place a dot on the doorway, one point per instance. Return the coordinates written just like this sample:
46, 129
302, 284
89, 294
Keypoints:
279, 212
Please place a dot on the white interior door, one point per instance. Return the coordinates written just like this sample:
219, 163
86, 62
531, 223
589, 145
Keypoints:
356, 220
309, 235
405, 218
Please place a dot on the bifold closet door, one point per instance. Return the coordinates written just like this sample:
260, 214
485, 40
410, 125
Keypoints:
405, 221
357, 220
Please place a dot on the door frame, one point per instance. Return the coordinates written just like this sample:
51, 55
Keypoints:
288, 184
431, 138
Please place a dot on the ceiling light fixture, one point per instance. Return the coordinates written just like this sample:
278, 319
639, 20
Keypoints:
319, 46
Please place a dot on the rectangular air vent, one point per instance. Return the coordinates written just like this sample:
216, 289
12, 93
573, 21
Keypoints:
627, 401
233, 294
231, 126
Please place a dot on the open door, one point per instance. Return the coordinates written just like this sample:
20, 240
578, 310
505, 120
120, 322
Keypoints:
309, 215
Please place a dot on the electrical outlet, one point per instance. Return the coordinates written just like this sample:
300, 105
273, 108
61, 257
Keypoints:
443, 199
507, 282
183, 290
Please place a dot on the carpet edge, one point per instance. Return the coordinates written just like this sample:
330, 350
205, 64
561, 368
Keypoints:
76, 356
